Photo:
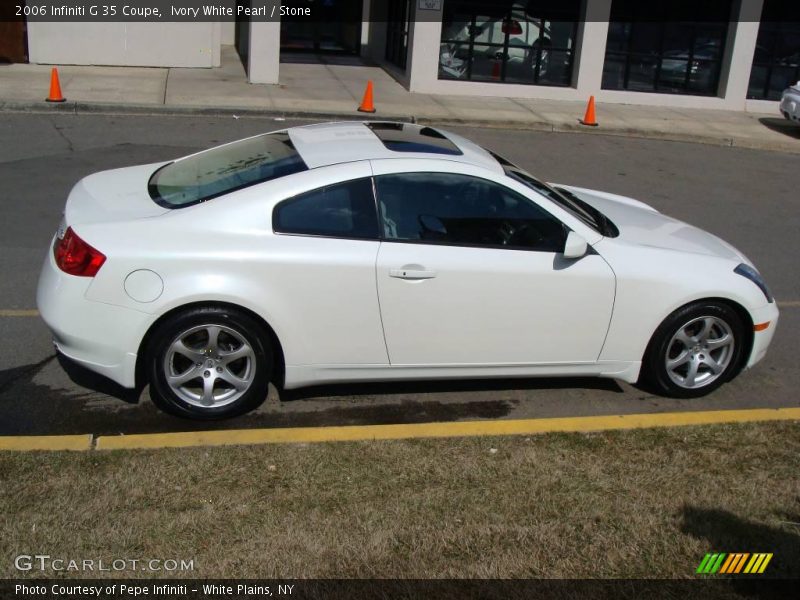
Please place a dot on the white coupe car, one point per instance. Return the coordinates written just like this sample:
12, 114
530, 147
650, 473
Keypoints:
790, 103
384, 251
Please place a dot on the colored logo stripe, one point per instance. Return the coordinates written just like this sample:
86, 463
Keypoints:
711, 563
737, 567
758, 563
726, 565
703, 563
733, 563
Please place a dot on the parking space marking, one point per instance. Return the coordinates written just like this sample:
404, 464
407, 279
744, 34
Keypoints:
440, 430
15, 312
79, 443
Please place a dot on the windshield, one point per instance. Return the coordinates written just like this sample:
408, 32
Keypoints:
221, 170
564, 198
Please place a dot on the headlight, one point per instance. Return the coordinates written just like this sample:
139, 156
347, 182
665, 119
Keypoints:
754, 276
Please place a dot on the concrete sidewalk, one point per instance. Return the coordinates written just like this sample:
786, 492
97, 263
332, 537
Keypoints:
334, 90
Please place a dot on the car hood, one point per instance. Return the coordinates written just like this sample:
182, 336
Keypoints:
643, 225
116, 195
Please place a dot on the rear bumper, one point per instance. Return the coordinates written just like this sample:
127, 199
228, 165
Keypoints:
762, 339
101, 337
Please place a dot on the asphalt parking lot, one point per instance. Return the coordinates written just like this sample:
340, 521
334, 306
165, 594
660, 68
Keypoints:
748, 197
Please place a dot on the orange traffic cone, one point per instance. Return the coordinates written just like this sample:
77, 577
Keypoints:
367, 104
590, 118
55, 88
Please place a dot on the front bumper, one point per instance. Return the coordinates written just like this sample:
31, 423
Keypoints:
761, 339
790, 105
104, 338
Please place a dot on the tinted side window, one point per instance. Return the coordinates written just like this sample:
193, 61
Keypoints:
447, 208
342, 210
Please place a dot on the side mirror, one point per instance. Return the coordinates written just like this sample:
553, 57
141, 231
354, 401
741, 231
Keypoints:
575, 246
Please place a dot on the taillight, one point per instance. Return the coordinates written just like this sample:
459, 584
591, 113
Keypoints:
76, 257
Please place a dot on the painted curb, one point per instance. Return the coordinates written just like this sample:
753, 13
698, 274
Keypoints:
353, 433
102, 108
440, 430
76, 443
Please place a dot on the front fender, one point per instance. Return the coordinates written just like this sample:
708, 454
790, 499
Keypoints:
654, 282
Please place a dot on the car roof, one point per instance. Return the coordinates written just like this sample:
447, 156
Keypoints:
326, 144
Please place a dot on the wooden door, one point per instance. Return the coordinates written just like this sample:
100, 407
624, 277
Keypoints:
13, 39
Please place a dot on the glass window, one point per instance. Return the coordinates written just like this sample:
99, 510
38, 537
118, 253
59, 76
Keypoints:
564, 198
776, 63
509, 41
344, 210
569, 201
447, 208
225, 169
645, 52
397, 25
406, 137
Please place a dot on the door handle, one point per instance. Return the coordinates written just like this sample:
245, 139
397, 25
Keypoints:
412, 274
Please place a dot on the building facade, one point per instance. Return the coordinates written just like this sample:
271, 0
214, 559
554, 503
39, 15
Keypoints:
726, 54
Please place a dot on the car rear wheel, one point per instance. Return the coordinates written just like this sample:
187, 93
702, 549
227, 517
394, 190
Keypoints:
694, 351
209, 363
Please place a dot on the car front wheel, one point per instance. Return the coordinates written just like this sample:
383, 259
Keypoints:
209, 363
694, 351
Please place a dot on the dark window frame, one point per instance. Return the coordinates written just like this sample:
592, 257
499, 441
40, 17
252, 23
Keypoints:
373, 204
634, 17
775, 23
383, 238
397, 31
504, 47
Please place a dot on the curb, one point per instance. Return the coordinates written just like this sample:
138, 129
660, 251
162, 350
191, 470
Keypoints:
107, 108
616, 131
629, 132
176, 110
354, 433
26, 443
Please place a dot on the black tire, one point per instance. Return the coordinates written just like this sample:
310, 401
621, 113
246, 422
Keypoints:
656, 376
235, 328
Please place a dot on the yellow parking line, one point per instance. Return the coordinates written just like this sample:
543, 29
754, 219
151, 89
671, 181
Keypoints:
47, 442
789, 303
14, 312
439, 430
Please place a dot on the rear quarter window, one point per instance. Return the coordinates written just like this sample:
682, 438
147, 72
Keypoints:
345, 210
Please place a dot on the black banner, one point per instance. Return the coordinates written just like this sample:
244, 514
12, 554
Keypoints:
323, 11
438, 589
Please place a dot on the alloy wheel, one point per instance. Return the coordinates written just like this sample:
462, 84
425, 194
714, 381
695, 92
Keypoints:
210, 365
700, 352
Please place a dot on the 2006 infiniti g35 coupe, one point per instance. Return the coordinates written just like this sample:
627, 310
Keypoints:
384, 251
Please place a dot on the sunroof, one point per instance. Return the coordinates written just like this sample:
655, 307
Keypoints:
405, 137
